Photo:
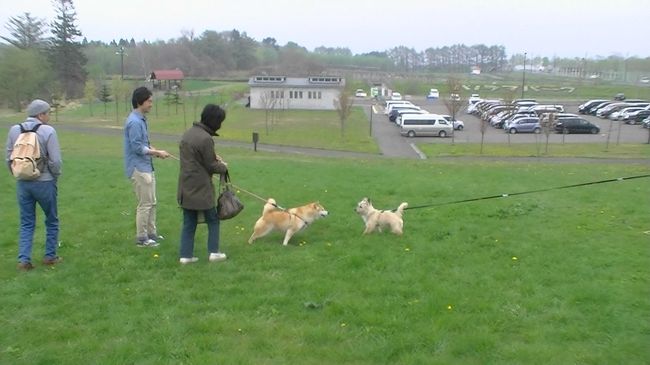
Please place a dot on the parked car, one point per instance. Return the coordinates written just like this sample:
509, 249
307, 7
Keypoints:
360, 93
391, 102
619, 97
401, 113
433, 94
396, 113
454, 97
646, 123
584, 107
639, 117
457, 124
401, 107
524, 125
576, 125
425, 125
626, 113
396, 96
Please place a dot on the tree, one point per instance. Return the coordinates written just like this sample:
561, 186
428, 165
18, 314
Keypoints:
90, 94
547, 120
22, 76
343, 107
67, 59
454, 101
105, 96
268, 102
26, 31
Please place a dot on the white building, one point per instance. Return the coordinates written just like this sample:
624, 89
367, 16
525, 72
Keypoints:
282, 92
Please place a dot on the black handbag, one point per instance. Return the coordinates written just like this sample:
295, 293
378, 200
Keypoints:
228, 205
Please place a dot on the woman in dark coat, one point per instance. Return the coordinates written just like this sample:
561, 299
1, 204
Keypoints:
196, 193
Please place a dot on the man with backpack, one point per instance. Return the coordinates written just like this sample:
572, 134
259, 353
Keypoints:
36, 180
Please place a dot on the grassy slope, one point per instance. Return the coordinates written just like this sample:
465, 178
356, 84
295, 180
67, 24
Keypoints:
449, 291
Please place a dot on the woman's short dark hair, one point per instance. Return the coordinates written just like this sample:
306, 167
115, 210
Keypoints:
212, 116
140, 95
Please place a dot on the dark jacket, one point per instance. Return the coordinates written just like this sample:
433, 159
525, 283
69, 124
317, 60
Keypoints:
198, 164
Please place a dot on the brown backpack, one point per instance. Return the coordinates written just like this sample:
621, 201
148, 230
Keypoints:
26, 155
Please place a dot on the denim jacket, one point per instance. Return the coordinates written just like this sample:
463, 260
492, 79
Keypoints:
136, 144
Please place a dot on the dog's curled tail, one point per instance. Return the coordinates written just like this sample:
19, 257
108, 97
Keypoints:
401, 208
269, 206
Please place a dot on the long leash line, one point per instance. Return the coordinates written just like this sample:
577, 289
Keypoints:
480, 198
528, 192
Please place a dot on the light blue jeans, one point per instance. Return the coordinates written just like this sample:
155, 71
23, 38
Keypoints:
45, 194
190, 220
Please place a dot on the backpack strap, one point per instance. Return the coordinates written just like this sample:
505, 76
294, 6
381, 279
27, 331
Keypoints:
34, 129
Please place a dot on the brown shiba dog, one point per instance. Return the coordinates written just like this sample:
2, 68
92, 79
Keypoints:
289, 221
376, 219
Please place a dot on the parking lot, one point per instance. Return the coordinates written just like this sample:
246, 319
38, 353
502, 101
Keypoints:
472, 131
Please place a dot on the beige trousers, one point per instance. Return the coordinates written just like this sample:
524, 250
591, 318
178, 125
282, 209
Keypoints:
144, 185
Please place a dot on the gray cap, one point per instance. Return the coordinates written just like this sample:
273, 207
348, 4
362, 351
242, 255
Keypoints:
37, 107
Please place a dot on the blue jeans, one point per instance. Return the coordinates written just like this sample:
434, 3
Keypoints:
44, 193
190, 220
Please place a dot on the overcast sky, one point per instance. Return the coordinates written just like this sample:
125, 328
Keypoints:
563, 28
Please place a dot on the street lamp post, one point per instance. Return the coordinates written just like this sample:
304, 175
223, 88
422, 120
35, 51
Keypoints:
121, 52
523, 79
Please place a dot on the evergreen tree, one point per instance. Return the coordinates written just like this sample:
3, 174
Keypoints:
67, 58
26, 31
105, 96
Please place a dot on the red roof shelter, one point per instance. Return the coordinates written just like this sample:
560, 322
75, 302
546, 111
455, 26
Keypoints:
166, 79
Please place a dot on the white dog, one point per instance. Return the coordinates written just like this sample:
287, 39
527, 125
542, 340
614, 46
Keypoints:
376, 219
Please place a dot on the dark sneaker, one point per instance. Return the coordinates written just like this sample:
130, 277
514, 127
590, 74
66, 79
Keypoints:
52, 260
25, 266
147, 243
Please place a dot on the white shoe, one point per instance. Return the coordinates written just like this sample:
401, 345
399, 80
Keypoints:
188, 260
217, 256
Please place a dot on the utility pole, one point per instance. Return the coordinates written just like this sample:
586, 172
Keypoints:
121, 52
523, 79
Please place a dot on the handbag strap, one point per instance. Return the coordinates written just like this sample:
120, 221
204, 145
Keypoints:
224, 181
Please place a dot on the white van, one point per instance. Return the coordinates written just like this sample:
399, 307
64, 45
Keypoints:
425, 125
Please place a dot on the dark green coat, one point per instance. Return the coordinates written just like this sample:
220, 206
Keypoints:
198, 164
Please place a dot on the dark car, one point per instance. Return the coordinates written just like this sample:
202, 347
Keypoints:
586, 106
619, 96
576, 125
640, 116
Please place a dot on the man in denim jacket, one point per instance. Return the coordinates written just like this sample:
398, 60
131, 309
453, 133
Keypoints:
138, 164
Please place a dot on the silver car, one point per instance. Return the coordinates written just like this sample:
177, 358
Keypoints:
524, 125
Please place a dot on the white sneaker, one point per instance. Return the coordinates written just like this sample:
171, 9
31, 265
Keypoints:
217, 256
188, 260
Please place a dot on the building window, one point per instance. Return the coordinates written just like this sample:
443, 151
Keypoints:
272, 94
320, 96
299, 94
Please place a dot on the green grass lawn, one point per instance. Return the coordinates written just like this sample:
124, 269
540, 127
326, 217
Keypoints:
585, 150
551, 278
